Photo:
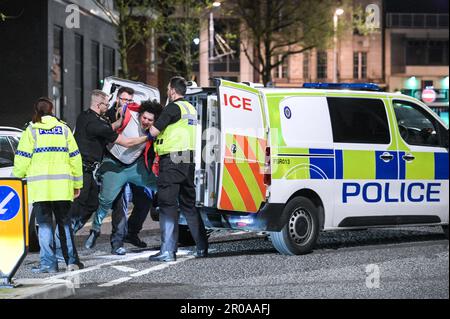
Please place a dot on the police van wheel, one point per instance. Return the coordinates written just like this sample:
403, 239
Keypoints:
33, 244
184, 236
154, 214
445, 228
300, 234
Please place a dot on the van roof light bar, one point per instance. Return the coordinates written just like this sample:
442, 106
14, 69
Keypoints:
341, 86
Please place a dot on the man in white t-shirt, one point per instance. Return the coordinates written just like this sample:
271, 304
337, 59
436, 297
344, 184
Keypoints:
126, 165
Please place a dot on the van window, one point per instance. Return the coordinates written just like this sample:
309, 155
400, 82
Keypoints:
416, 126
6, 152
356, 120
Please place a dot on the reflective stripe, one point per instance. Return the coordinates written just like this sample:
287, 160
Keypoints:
66, 134
73, 154
185, 107
54, 177
24, 154
34, 134
192, 119
51, 149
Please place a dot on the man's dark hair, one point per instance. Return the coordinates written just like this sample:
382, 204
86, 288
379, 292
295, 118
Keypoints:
126, 90
152, 107
179, 84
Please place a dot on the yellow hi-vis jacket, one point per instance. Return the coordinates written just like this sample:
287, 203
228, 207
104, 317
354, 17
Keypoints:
49, 158
181, 135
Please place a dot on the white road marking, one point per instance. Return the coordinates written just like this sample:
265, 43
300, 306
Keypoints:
129, 257
132, 257
144, 272
124, 268
160, 267
115, 282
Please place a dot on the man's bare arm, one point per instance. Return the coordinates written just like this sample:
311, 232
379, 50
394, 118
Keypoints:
130, 141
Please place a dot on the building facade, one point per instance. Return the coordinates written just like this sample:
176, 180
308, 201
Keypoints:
54, 48
417, 54
408, 52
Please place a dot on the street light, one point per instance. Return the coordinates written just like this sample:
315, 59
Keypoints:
337, 13
216, 4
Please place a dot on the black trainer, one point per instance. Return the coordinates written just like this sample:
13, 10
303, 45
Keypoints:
135, 241
201, 253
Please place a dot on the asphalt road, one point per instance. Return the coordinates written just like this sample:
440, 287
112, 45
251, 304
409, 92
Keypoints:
381, 263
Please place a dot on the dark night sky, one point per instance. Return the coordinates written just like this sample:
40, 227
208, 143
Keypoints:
417, 6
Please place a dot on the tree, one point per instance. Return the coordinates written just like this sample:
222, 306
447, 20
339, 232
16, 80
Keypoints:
174, 22
4, 16
278, 29
177, 30
135, 21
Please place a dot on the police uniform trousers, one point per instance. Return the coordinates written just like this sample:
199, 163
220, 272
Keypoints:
176, 187
87, 203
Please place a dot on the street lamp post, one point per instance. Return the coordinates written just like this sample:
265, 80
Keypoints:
216, 4
337, 13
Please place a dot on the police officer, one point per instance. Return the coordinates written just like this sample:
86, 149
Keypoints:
175, 144
49, 158
93, 132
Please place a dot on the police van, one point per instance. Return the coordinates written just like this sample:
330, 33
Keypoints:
297, 161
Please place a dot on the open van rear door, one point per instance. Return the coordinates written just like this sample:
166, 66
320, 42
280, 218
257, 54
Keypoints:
142, 92
243, 139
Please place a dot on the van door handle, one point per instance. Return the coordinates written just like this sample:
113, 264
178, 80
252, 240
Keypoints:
408, 157
387, 157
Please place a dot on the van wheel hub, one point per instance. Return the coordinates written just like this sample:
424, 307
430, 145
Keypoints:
300, 226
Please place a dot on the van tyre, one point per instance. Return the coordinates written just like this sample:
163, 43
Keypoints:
184, 236
445, 229
301, 232
154, 214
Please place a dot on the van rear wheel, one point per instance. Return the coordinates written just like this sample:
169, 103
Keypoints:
184, 236
445, 229
300, 234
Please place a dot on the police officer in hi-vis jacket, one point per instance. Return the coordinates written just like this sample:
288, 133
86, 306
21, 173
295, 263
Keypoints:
48, 157
175, 144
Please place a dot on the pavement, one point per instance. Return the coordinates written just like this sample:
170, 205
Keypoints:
39, 289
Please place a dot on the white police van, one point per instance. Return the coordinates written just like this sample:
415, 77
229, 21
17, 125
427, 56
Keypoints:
294, 162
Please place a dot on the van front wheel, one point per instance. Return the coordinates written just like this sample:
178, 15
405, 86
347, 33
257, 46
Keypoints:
300, 233
445, 229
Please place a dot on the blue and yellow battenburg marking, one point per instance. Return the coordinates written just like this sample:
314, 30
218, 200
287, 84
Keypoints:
359, 164
346, 165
